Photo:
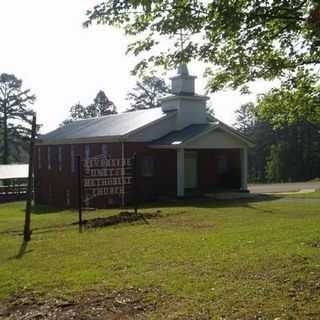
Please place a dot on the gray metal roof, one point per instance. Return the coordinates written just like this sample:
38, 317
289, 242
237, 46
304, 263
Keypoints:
181, 136
107, 126
13, 171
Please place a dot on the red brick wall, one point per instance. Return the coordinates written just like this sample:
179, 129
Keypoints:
51, 185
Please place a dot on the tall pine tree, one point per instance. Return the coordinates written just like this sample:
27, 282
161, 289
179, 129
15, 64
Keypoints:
15, 113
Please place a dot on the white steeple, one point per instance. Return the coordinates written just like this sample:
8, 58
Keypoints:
190, 107
183, 83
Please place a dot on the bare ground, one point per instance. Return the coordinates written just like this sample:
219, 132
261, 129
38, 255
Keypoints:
124, 304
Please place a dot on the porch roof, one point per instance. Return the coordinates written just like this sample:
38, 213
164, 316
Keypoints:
176, 139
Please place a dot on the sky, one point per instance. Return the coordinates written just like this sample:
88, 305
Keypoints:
44, 43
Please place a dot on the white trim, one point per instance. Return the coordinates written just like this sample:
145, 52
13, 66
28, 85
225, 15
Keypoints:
184, 97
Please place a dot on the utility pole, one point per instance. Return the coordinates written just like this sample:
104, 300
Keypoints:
27, 231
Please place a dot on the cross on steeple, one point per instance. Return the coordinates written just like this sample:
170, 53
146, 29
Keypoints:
183, 39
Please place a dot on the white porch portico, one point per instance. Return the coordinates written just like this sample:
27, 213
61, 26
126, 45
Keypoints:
186, 177
208, 156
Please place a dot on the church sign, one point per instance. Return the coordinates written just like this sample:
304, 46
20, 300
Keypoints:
106, 176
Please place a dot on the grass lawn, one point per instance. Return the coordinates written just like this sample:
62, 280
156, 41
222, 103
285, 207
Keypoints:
201, 259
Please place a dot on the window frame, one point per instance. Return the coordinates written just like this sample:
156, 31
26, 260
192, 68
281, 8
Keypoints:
223, 164
72, 158
87, 151
49, 157
39, 158
147, 166
60, 149
104, 149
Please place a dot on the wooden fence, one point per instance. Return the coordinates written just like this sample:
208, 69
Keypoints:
13, 193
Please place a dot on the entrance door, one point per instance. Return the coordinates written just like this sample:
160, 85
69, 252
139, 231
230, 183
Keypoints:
190, 170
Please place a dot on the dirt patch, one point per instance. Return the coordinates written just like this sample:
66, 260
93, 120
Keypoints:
124, 304
122, 217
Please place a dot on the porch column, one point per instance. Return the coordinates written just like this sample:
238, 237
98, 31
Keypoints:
244, 168
180, 172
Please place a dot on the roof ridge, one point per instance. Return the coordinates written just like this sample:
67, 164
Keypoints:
112, 115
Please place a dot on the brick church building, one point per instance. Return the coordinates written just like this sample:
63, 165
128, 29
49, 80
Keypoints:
179, 149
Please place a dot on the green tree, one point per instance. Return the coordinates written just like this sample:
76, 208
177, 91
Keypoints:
101, 106
296, 100
245, 118
241, 40
261, 133
15, 117
293, 111
78, 111
289, 152
146, 93
274, 164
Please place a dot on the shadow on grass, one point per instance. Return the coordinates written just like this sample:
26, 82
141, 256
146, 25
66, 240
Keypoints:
22, 251
45, 209
45, 229
197, 202
205, 202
